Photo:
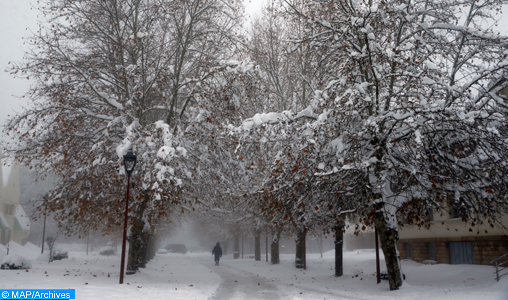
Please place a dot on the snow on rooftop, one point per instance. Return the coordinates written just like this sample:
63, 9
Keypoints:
27, 252
3, 220
23, 219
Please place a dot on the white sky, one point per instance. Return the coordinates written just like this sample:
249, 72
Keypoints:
253, 6
18, 15
15, 17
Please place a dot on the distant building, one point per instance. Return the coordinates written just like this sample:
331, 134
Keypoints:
450, 241
14, 223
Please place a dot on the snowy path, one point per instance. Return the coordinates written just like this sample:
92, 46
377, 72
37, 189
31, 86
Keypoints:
239, 281
240, 284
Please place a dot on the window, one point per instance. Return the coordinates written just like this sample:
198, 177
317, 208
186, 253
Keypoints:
409, 251
9, 209
461, 253
432, 251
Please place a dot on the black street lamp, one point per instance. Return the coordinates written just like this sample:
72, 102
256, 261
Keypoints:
129, 162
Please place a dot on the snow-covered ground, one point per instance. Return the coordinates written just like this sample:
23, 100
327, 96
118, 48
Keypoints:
194, 276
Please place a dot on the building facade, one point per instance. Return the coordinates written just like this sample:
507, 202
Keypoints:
14, 223
451, 241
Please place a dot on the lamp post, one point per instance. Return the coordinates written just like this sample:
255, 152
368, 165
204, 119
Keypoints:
129, 161
378, 272
44, 230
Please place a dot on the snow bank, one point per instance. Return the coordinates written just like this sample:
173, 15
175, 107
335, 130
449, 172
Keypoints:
28, 252
15, 262
44, 257
32, 248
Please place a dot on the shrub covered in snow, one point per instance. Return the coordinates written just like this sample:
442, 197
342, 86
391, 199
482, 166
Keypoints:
15, 262
59, 255
108, 250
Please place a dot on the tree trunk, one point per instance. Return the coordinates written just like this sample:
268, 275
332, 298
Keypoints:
339, 242
149, 248
274, 247
153, 246
134, 247
300, 244
137, 243
257, 244
236, 243
304, 248
143, 253
321, 244
388, 237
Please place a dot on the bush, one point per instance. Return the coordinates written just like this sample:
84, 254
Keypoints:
384, 275
15, 262
59, 255
108, 250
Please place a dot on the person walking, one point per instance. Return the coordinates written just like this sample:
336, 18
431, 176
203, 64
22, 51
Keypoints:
217, 251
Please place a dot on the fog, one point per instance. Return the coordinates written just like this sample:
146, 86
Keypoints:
197, 239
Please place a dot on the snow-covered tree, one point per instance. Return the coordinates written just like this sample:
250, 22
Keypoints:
407, 113
112, 75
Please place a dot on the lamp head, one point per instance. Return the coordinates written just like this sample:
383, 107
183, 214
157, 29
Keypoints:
129, 162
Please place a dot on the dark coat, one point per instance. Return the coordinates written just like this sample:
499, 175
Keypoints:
217, 251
